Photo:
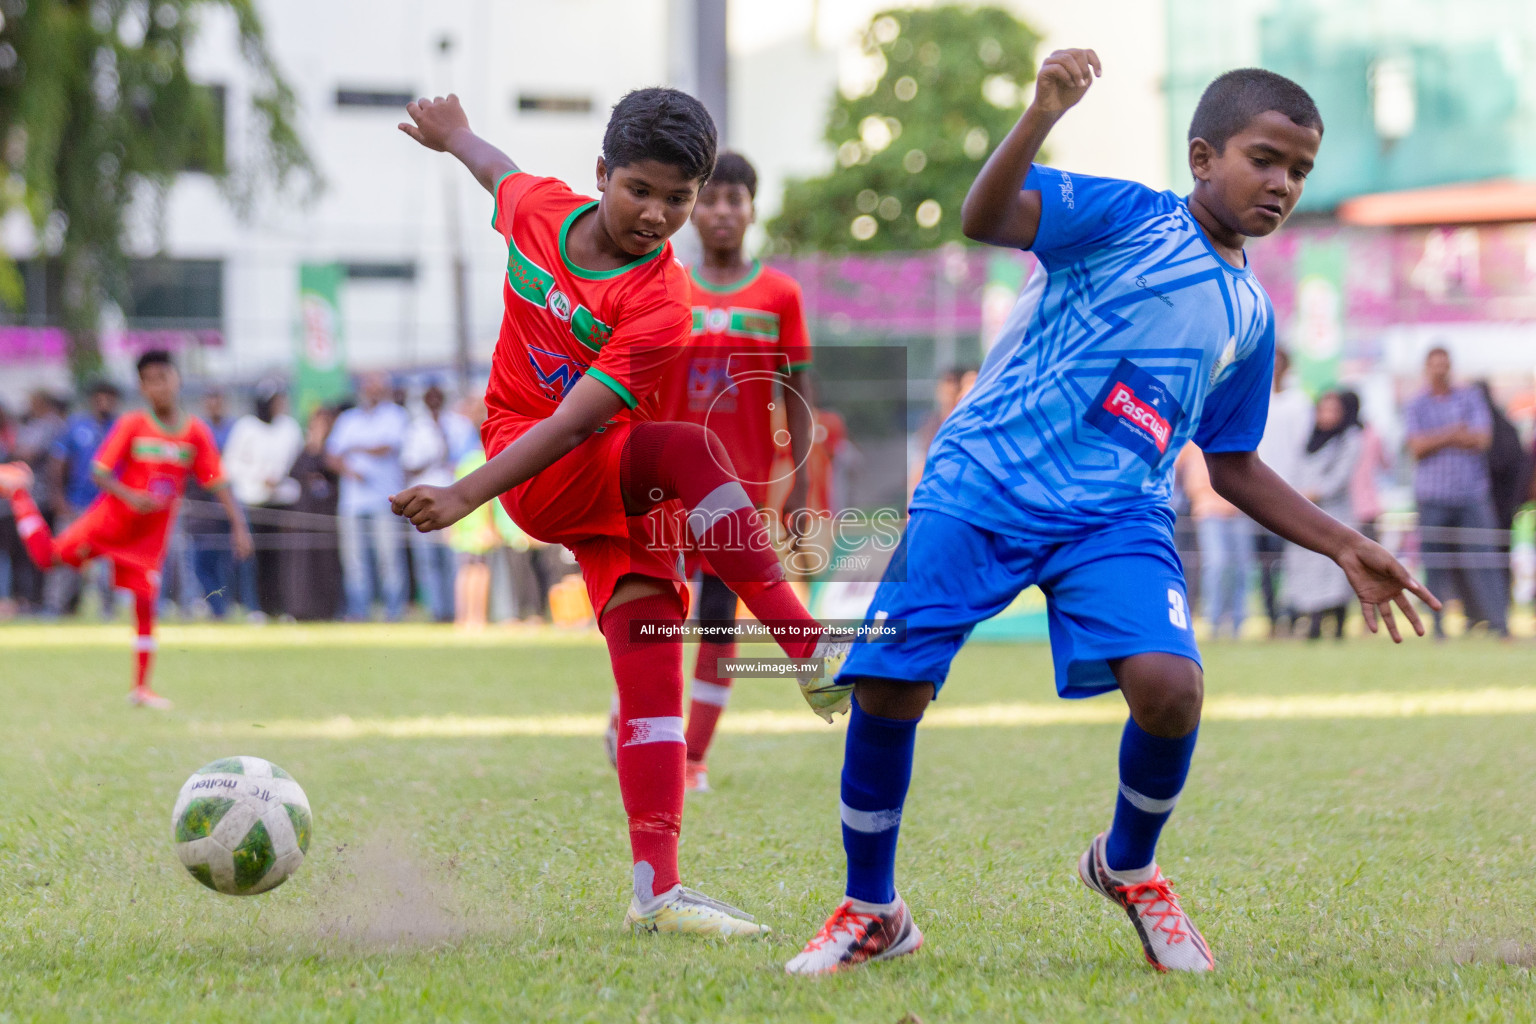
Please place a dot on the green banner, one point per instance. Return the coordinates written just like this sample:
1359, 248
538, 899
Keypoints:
1319, 329
320, 360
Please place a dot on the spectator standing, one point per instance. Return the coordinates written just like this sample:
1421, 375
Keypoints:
1449, 434
1286, 430
10, 540
1364, 494
72, 480
1315, 586
311, 559
1506, 481
364, 448
35, 438
1225, 538
435, 441
260, 452
207, 529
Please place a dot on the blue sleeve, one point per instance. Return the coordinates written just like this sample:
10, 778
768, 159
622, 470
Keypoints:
1235, 411
1080, 213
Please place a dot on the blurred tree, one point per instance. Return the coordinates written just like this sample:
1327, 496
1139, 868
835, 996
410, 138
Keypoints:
98, 112
951, 82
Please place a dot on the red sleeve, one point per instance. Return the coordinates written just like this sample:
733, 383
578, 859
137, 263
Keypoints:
511, 187
794, 342
115, 447
646, 339
206, 464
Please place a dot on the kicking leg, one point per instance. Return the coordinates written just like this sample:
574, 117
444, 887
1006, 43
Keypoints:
873, 922
1165, 693
15, 478
650, 758
663, 461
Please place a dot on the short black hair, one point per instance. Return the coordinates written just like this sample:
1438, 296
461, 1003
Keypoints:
154, 357
666, 125
1239, 96
734, 169
104, 387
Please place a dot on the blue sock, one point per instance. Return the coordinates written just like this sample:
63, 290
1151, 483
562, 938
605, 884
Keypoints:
1152, 772
877, 767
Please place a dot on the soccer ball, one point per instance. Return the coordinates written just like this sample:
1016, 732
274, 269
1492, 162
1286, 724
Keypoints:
241, 825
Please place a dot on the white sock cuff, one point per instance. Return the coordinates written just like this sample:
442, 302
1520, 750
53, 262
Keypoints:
667, 729
144, 643
1148, 804
870, 821
710, 693
715, 506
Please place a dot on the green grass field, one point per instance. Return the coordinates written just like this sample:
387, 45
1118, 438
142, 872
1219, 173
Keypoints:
1359, 849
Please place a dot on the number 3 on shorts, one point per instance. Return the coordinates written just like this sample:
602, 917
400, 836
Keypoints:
1176, 611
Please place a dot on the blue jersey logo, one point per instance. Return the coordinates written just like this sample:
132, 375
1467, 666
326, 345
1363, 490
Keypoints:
1137, 410
555, 371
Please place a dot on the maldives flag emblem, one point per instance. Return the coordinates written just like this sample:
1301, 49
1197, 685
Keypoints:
555, 372
1137, 410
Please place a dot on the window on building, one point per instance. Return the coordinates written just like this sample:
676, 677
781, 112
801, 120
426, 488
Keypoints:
378, 98
370, 271
169, 294
554, 103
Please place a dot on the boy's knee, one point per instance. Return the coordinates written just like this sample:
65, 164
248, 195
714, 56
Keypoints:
896, 699
1165, 692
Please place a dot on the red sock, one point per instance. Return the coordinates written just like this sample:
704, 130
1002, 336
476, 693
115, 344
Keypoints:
708, 696
687, 462
144, 643
651, 748
33, 530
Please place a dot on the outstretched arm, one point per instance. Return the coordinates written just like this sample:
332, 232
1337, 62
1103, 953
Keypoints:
1378, 578
441, 124
588, 405
996, 209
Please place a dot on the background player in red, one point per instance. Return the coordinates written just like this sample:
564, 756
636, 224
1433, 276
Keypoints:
748, 351
142, 468
595, 308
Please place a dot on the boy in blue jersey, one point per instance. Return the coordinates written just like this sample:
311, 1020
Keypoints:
1143, 329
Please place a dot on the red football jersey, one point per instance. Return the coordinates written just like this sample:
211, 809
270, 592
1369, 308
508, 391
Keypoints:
746, 338
148, 456
562, 321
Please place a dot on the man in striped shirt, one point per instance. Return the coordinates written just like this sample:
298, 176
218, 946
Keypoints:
1449, 430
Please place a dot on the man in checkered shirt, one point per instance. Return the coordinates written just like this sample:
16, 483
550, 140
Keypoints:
1449, 430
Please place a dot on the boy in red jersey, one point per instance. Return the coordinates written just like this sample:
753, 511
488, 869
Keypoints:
749, 349
142, 468
596, 306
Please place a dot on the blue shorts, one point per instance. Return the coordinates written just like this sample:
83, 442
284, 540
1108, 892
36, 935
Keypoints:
1116, 592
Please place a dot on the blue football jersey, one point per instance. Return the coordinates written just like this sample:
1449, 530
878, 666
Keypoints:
1133, 337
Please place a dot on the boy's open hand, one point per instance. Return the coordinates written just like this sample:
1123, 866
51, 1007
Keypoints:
1064, 79
1381, 581
436, 121
430, 508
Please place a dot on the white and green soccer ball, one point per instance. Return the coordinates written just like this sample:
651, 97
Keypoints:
241, 825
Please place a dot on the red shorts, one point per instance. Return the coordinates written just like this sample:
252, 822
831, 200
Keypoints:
577, 502
133, 542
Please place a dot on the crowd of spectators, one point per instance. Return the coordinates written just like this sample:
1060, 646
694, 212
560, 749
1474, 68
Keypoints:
1470, 475
316, 496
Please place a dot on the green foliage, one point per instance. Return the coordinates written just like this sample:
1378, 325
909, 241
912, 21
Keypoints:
951, 87
99, 111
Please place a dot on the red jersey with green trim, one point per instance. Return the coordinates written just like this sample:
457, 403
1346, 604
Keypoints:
562, 321
147, 456
746, 338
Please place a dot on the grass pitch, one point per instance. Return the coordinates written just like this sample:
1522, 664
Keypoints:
1355, 840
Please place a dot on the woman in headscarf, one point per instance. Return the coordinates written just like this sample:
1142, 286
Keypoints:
1314, 585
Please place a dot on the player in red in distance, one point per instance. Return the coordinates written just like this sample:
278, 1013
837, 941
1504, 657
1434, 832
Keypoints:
142, 468
596, 307
748, 352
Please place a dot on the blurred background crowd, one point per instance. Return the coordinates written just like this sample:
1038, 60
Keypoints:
223, 179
